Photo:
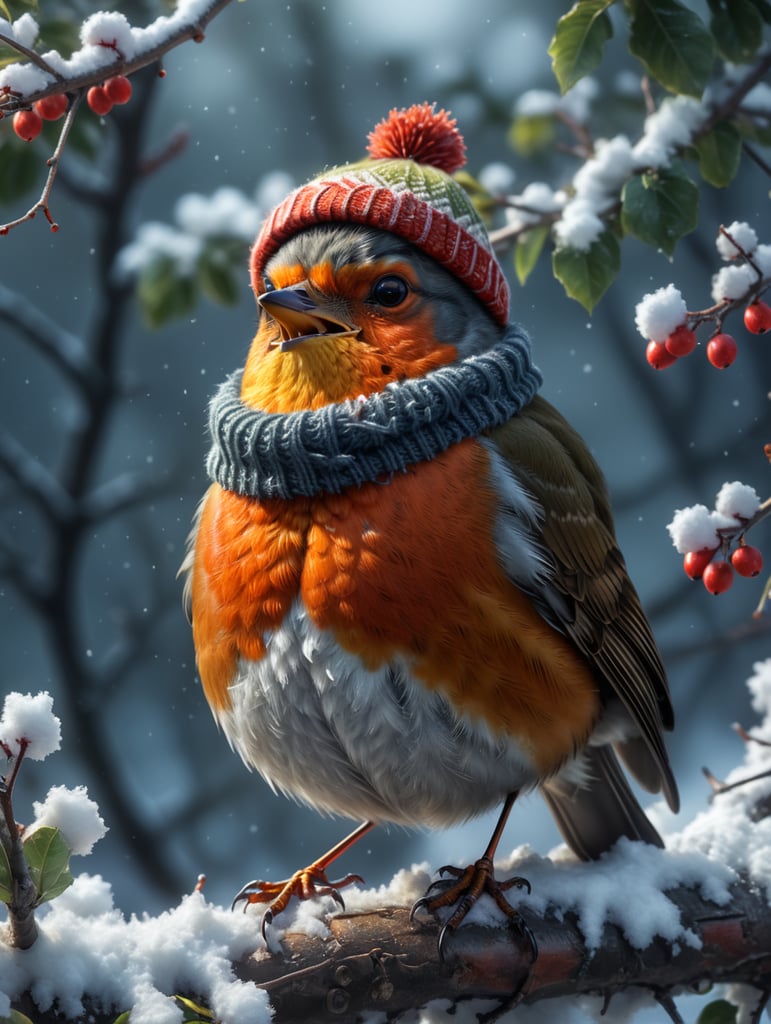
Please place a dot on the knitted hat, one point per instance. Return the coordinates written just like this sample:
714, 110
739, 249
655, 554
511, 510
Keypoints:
404, 187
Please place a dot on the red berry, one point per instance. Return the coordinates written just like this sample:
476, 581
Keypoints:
718, 577
118, 89
757, 317
695, 562
721, 350
681, 342
27, 124
747, 560
51, 108
657, 355
98, 100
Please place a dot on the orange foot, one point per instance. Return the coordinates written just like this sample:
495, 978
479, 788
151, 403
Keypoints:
311, 881
471, 882
305, 884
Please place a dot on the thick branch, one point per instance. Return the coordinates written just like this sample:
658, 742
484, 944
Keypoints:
377, 961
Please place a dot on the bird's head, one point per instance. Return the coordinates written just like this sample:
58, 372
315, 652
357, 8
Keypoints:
348, 309
373, 272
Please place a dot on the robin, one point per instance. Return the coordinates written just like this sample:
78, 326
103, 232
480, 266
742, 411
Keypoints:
408, 601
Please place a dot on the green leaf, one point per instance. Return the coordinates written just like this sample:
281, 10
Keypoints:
17, 1017
586, 276
6, 878
19, 7
59, 34
163, 294
738, 30
123, 1018
672, 43
21, 168
194, 1013
48, 858
659, 207
719, 154
577, 46
527, 251
5, 11
217, 277
719, 1011
532, 135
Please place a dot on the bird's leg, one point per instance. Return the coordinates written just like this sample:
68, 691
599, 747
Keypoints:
471, 882
304, 884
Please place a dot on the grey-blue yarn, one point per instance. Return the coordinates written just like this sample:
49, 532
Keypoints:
346, 444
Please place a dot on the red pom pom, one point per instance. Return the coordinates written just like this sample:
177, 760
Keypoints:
422, 134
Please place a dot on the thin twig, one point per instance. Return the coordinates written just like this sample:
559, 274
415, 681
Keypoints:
53, 166
32, 56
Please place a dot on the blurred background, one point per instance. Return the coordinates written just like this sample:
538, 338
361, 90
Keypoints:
96, 404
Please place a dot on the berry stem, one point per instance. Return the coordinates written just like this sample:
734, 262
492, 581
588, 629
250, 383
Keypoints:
53, 167
740, 249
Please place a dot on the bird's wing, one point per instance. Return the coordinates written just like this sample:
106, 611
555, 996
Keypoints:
590, 596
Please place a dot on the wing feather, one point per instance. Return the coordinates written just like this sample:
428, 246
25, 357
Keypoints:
596, 603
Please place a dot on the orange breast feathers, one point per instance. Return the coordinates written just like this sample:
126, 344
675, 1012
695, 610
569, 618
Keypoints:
407, 568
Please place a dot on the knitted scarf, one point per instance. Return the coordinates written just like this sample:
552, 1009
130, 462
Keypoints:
345, 444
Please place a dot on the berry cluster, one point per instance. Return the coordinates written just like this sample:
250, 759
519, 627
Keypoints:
662, 317
701, 534
717, 574
115, 91
28, 124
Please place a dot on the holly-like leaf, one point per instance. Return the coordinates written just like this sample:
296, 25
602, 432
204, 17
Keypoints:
659, 207
123, 1018
48, 859
737, 26
577, 46
527, 251
586, 275
673, 44
163, 293
719, 154
6, 878
719, 1011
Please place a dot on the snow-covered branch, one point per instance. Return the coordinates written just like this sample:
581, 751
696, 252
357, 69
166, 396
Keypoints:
110, 46
111, 50
376, 961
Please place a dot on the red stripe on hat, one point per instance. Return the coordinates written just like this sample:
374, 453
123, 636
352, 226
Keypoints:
348, 200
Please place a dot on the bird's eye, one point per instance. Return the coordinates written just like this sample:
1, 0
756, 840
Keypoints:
269, 286
390, 290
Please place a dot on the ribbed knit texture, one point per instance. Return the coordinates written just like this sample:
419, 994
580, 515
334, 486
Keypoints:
419, 203
341, 445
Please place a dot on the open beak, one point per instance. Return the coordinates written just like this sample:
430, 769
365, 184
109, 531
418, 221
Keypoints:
301, 319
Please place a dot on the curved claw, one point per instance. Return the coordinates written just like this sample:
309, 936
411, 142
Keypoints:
521, 883
463, 893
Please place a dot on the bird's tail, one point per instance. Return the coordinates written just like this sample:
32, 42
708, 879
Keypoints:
592, 815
